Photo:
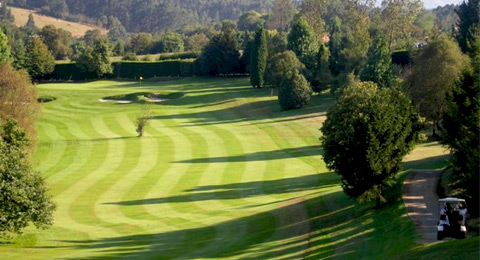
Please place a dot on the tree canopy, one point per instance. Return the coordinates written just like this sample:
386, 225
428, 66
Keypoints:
259, 56
23, 191
40, 61
434, 73
366, 135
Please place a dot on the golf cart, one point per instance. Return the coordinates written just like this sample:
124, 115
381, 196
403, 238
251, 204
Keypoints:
453, 212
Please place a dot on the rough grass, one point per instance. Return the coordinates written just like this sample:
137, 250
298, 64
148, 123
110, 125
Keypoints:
77, 29
221, 173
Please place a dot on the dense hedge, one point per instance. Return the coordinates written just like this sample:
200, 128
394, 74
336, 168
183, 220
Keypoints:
179, 56
128, 70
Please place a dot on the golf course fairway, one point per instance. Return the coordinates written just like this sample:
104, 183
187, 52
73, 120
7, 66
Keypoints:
220, 173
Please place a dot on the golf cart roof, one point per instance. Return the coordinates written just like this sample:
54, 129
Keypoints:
451, 200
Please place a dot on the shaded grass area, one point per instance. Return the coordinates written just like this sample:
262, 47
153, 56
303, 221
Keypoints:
222, 173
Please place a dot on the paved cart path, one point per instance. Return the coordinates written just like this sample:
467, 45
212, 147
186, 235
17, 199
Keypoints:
421, 200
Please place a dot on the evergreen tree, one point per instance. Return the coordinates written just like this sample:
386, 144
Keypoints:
259, 56
460, 132
378, 68
335, 45
31, 22
4, 48
280, 65
40, 61
303, 41
220, 56
468, 23
5, 12
294, 91
365, 137
323, 75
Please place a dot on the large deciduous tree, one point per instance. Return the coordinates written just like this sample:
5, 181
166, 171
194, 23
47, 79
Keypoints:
365, 137
434, 73
57, 40
282, 14
96, 59
312, 11
18, 98
258, 62
23, 191
40, 61
398, 18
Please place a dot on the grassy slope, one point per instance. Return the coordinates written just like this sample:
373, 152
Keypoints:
77, 29
221, 173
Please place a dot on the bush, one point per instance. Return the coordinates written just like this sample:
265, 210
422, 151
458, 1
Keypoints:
179, 56
128, 70
294, 92
129, 56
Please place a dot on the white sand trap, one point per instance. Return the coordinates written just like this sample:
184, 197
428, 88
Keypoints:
158, 100
116, 101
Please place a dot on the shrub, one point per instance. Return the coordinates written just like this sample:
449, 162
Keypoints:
294, 91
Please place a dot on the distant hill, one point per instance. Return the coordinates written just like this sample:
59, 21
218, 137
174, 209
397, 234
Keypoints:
149, 15
77, 29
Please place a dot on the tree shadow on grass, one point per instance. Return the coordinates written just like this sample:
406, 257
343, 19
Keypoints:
278, 233
251, 112
299, 152
429, 163
332, 225
243, 190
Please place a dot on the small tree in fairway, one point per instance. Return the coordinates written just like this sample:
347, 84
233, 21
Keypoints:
258, 62
365, 137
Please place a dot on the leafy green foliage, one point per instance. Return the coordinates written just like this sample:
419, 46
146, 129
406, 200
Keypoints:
434, 72
294, 91
468, 24
40, 61
378, 68
280, 64
366, 135
303, 41
258, 62
4, 48
460, 132
221, 55
57, 40
170, 42
96, 59
323, 76
23, 192
128, 70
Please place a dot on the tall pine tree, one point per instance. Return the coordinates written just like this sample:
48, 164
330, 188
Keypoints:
303, 41
379, 64
258, 62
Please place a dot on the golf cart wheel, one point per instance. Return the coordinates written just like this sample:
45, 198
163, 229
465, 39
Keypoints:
440, 235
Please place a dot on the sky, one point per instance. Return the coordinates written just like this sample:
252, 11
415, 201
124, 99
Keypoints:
434, 3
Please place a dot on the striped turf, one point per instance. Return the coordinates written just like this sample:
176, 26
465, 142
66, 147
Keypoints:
221, 173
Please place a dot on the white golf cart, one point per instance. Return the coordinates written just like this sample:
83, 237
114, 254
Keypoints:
453, 212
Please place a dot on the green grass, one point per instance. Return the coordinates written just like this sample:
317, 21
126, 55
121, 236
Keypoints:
221, 173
